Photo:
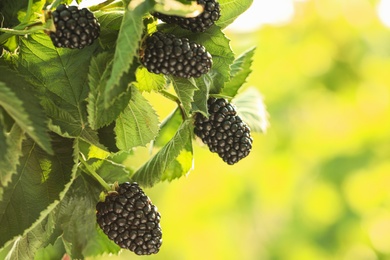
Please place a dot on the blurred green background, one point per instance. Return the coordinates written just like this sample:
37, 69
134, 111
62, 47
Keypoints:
317, 184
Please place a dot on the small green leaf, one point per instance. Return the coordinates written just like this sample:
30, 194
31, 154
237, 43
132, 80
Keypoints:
201, 95
185, 89
25, 247
231, 9
40, 182
241, 69
147, 81
168, 128
127, 48
176, 151
138, 124
252, 110
52, 251
100, 115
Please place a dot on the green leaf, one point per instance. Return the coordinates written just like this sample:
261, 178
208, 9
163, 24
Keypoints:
241, 69
202, 94
168, 128
252, 110
11, 156
18, 99
76, 220
100, 115
162, 165
63, 82
231, 9
40, 182
110, 19
127, 47
185, 89
147, 81
25, 247
138, 124
217, 44
182, 164
51, 251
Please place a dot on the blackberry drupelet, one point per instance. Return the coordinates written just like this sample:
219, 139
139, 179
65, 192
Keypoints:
129, 218
75, 28
168, 54
200, 23
223, 131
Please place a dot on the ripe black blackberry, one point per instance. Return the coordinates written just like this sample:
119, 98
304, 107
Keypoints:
200, 23
168, 54
129, 218
75, 28
223, 131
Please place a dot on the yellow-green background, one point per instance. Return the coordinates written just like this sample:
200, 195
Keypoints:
317, 184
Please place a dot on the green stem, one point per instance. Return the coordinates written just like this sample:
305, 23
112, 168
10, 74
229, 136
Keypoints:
20, 30
170, 96
92, 172
102, 5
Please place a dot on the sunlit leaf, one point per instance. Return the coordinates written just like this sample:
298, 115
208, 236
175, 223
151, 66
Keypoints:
252, 110
147, 81
138, 124
177, 150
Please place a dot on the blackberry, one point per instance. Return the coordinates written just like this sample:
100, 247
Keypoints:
200, 23
168, 54
223, 131
129, 218
75, 28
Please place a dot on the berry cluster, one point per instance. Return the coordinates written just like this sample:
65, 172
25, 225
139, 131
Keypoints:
129, 218
75, 28
200, 23
168, 54
223, 131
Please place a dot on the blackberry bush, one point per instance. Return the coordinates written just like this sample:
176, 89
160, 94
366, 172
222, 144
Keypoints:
223, 131
74, 27
168, 54
211, 13
73, 117
129, 218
